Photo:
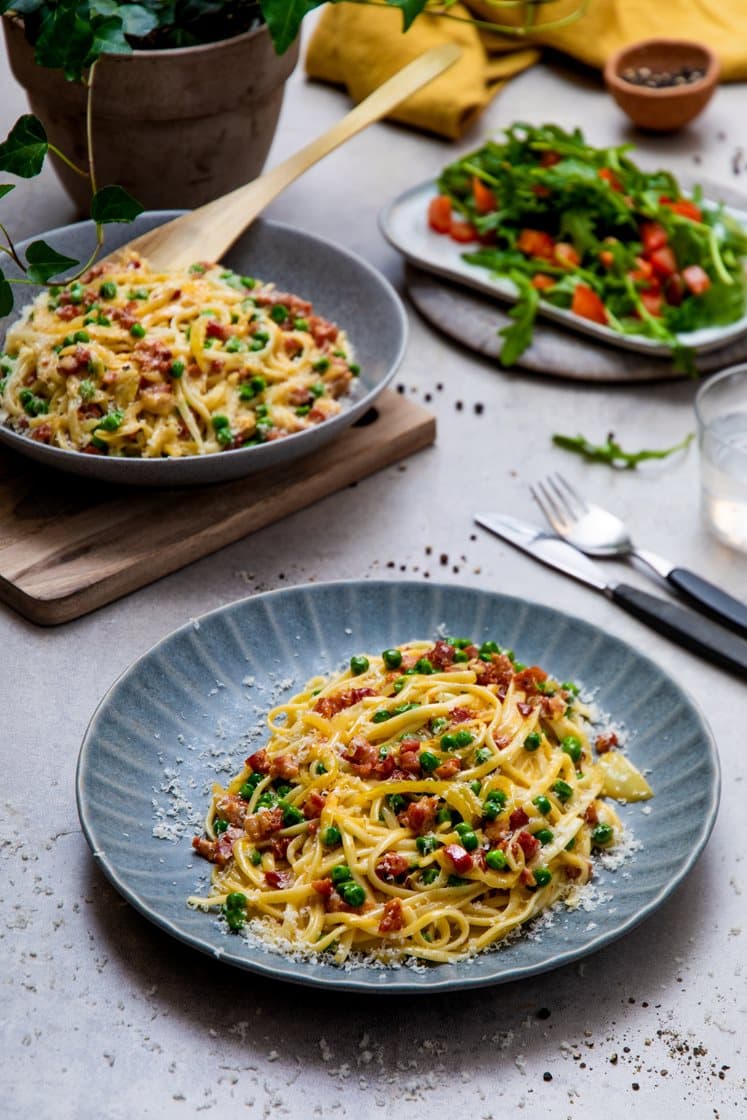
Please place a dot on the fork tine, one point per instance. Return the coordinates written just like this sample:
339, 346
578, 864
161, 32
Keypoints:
549, 507
582, 504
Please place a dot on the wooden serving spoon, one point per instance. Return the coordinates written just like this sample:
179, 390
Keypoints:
206, 233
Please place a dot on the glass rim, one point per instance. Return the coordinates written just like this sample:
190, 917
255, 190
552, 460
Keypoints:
723, 375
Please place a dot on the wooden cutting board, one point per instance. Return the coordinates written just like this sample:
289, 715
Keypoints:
68, 546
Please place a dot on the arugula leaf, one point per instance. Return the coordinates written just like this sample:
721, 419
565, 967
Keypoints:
612, 453
518, 336
284, 18
25, 147
114, 204
6, 297
45, 262
410, 9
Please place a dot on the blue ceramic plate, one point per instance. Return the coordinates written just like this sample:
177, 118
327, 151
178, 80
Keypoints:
190, 710
341, 285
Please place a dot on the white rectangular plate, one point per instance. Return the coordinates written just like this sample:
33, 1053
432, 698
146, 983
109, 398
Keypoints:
404, 223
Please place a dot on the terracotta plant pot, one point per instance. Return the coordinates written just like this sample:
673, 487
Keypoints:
176, 128
670, 107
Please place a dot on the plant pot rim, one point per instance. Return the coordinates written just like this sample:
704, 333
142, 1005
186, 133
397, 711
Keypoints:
170, 52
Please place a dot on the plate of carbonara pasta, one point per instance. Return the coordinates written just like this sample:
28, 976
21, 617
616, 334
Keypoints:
395, 786
146, 376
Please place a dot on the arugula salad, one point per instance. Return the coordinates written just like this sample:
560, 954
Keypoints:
586, 229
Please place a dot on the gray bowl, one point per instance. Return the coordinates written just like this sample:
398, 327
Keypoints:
342, 286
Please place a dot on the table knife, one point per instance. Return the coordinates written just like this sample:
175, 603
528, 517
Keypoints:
690, 630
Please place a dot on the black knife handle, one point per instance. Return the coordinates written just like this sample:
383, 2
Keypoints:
711, 599
689, 630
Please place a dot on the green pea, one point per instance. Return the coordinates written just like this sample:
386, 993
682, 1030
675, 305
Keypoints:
429, 761
542, 876
396, 802
353, 894
448, 742
483, 755
475, 786
331, 836
487, 649
460, 656
401, 708
255, 857
399, 684
544, 835
221, 421
467, 835
463, 738
138, 293
569, 686
340, 873
494, 804
279, 313
496, 859
571, 746
219, 826
354, 368
532, 741
392, 658
248, 787
321, 366
76, 293
381, 716
602, 835
427, 844
291, 815
317, 389
359, 664
267, 800
235, 919
137, 330
236, 900
86, 390
248, 282
443, 816
176, 368
303, 410
233, 345
543, 804
562, 790
458, 881
301, 324
112, 421
423, 666
429, 875
81, 336
108, 290
439, 724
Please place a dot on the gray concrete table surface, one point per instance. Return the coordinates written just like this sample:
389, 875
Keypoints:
105, 1016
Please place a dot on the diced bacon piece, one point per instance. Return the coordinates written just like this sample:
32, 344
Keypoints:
279, 846
282, 766
363, 757
258, 762
158, 398
97, 270
391, 865
524, 709
217, 330
154, 357
260, 825
552, 706
449, 769
322, 331
42, 434
526, 681
420, 815
526, 878
392, 920
232, 808
606, 743
572, 871
217, 851
458, 857
299, 395
73, 363
518, 819
324, 887
278, 880
460, 715
591, 816
329, 706
409, 761
126, 316
313, 805
498, 670
69, 311
441, 655
298, 308
528, 844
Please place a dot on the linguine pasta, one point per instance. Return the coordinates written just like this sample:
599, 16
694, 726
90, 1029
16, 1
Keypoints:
135, 362
423, 804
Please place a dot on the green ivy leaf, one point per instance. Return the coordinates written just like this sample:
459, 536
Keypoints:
410, 9
136, 20
5, 188
284, 18
108, 38
64, 40
24, 150
45, 262
114, 204
6, 297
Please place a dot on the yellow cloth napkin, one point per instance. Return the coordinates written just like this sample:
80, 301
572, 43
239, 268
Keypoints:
360, 46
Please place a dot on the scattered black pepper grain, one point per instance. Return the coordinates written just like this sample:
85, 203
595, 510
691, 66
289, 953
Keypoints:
440, 387
403, 567
390, 563
547, 1076
459, 405
427, 398
631, 999
737, 161
626, 1049
544, 1013
427, 575
635, 1086
401, 467
479, 408
455, 569
428, 550
644, 1003
473, 536
443, 558
400, 388
613, 1059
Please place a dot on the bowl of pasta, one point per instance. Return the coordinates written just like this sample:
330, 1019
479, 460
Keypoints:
398, 786
166, 378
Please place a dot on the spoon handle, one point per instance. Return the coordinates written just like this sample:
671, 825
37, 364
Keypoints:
206, 233
711, 600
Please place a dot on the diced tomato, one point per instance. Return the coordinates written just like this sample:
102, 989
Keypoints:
541, 281
644, 269
549, 159
606, 258
663, 262
485, 200
653, 236
674, 290
587, 304
541, 190
463, 232
609, 177
685, 207
439, 213
696, 278
652, 301
566, 254
536, 243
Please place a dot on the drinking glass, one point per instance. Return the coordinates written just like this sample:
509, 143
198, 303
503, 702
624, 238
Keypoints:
721, 414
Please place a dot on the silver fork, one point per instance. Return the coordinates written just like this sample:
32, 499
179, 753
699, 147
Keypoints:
597, 532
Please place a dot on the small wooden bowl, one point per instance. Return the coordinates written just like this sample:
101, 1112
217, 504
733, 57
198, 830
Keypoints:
666, 108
